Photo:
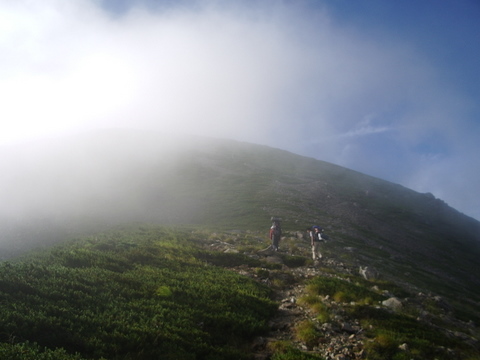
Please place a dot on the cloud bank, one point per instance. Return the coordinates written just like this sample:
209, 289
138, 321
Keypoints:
281, 74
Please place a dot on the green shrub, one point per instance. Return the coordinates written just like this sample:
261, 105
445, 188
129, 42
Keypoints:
317, 306
28, 351
382, 347
306, 332
283, 350
389, 330
226, 259
342, 290
322, 312
342, 296
163, 291
262, 273
293, 261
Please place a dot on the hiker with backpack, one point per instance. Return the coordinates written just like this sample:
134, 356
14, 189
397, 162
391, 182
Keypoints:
275, 233
315, 233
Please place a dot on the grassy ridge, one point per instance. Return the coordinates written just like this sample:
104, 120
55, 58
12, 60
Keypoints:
130, 295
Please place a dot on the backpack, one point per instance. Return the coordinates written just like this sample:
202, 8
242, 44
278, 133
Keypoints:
317, 235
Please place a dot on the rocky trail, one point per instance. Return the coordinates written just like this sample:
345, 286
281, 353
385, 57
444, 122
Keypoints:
342, 337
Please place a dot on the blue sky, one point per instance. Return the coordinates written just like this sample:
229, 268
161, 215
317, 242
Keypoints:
387, 88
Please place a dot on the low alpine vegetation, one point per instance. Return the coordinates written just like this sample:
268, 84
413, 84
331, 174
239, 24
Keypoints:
342, 290
283, 350
307, 333
138, 294
398, 336
149, 292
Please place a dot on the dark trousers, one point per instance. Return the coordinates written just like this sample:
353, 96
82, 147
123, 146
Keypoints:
275, 242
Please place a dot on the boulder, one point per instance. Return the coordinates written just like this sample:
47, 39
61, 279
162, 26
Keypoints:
393, 303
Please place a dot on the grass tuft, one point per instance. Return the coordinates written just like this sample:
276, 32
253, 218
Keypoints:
306, 332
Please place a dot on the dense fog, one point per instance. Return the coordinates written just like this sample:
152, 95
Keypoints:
63, 186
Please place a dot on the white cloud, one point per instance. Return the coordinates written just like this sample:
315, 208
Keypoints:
209, 71
365, 127
273, 74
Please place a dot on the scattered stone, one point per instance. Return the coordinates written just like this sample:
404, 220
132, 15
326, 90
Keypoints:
387, 293
393, 303
347, 327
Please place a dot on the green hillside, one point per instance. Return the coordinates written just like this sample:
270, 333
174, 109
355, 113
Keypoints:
139, 294
149, 292
100, 181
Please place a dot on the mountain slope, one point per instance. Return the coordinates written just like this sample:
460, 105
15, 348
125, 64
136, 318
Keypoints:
149, 292
101, 179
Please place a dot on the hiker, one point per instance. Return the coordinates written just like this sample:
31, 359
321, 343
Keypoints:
315, 239
275, 233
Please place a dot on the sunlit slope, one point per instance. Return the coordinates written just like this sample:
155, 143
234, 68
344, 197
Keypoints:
105, 178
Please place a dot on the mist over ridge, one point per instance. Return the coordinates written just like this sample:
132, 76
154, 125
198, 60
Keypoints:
145, 146
102, 168
86, 183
